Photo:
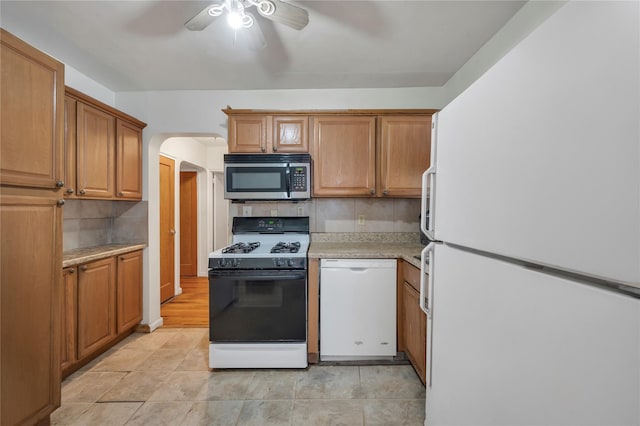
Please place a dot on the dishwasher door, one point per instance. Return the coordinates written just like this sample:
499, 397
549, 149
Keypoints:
357, 309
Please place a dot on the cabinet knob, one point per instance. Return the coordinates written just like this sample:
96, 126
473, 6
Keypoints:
120, 194
72, 271
70, 191
60, 202
82, 192
372, 192
83, 268
59, 184
275, 148
385, 192
263, 149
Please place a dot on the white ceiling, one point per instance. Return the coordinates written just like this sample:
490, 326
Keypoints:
143, 45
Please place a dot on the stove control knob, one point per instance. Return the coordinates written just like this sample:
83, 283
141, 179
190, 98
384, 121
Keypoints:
234, 263
291, 262
222, 263
279, 262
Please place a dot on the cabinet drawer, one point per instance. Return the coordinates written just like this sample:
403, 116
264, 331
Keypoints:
411, 274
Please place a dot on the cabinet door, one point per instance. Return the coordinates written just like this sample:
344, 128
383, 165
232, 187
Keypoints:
129, 290
96, 305
30, 299
290, 134
415, 323
31, 113
69, 312
129, 161
95, 152
249, 133
70, 128
344, 156
404, 155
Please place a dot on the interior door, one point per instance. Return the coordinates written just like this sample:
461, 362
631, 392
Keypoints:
188, 224
167, 228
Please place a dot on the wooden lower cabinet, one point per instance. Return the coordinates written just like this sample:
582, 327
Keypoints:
102, 303
129, 290
96, 305
30, 296
69, 317
313, 311
412, 319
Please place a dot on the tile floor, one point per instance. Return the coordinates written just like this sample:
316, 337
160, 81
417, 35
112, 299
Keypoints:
162, 378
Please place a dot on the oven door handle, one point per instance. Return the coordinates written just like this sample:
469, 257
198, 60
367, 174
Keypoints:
264, 275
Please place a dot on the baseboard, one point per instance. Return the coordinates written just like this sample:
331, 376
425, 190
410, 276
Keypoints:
148, 328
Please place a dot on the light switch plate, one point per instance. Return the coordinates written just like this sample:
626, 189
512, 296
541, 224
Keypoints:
360, 219
246, 211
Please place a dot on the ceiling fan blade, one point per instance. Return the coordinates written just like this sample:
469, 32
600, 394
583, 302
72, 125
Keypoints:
255, 36
288, 14
201, 21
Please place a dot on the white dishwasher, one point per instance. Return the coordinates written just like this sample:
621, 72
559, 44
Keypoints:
357, 309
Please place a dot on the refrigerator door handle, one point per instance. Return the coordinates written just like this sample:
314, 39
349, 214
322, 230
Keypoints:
428, 193
424, 285
428, 309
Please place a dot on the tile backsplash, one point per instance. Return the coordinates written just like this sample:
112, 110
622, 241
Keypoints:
88, 223
344, 214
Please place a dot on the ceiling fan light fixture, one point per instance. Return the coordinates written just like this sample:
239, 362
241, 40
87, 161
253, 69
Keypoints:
234, 19
216, 10
265, 7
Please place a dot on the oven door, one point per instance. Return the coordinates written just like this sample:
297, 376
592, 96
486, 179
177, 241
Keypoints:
257, 306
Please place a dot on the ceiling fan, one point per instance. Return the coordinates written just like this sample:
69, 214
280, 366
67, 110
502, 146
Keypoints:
238, 13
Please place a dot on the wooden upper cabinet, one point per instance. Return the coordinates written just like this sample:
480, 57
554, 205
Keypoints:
95, 149
404, 151
263, 133
249, 134
344, 156
355, 153
102, 150
290, 134
129, 290
31, 112
70, 115
128, 161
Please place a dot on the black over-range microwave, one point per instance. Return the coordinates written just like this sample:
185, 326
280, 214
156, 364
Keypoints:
267, 176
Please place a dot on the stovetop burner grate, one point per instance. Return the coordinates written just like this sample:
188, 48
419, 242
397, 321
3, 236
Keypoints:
283, 247
241, 247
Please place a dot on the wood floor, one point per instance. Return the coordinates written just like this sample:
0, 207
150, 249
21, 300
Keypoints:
189, 309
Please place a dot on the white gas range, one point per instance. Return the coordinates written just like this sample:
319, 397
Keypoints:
258, 295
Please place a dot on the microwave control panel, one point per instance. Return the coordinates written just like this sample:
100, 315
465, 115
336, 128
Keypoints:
299, 181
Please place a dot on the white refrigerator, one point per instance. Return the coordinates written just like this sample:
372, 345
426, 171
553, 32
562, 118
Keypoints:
532, 288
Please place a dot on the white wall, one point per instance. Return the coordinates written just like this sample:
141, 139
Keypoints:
189, 154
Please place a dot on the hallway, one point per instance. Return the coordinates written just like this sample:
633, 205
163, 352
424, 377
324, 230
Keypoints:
189, 309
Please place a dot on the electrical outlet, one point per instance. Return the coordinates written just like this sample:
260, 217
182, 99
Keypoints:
360, 219
300, 210
246, 210
274, 212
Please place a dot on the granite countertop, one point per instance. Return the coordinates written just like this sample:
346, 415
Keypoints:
88, 254
366, 250
363, 246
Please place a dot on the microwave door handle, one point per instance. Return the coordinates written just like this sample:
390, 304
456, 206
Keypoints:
288, 179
